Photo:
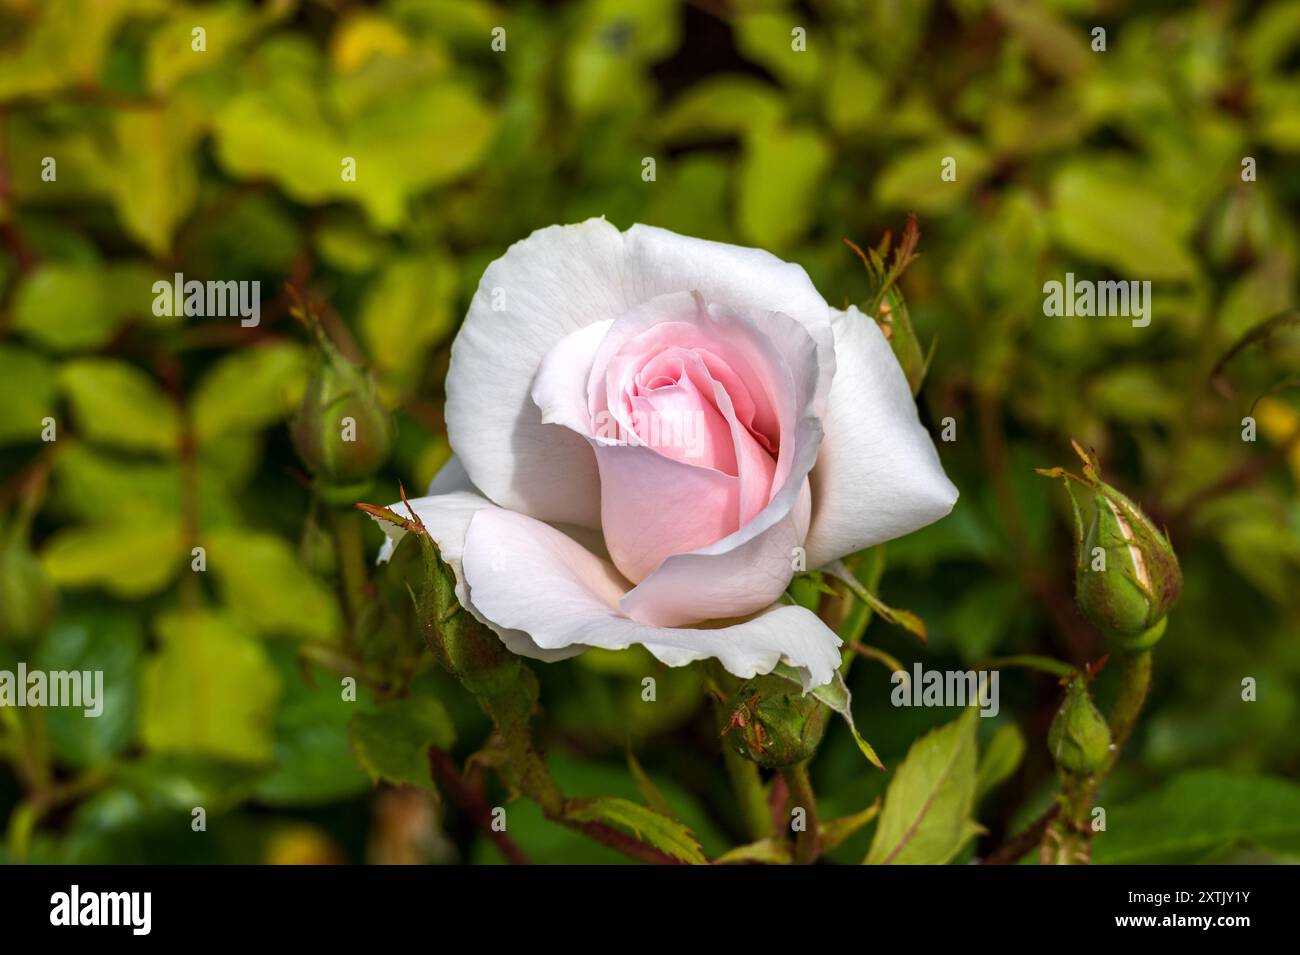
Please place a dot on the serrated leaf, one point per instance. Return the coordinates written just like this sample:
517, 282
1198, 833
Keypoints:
927, 814
769, 851
654, 829
392, 742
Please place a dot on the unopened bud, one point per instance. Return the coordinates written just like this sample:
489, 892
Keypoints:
773, 723
1079, 738
1126, 572
341, 431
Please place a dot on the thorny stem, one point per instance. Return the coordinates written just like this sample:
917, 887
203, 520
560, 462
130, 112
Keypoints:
1068, 838
476, 807
744, 776
346, 528
505, 689
806, 846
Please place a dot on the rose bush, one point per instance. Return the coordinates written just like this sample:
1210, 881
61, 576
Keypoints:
651, 434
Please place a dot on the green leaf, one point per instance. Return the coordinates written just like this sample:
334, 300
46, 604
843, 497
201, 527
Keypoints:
104, 642
27, 394
832, 832
834, 694
769, 851
1199, 812
899, 618
118, 404
855, 94
767, 38
314, 764
1110, 212
66, 46
1001, 758
154, 145
726, 105
262, 580
284, 125
927, 814
210, 690
392, 743
649, 791
408, 309
912, 179
665, 834
68, 307
249, 389
778, 184
130, 558
603, 62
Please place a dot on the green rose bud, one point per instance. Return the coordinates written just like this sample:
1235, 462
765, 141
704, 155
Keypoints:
773, 723
27, 599
1126, 572
341, 431
1079, 738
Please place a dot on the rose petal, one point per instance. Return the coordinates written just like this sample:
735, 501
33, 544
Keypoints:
556, 281
659, 261
452, 476
749, 568
560, 594
446, 517
878, 475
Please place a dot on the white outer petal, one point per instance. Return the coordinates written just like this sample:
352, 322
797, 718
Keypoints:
561, 594
878, 475
554, 282
447, 518
659, 261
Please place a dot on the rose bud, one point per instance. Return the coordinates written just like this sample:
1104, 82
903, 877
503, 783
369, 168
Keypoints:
773, 723
1079, 738
341, 431
1126, 572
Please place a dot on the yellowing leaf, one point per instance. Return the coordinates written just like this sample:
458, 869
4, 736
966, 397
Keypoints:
210, 690
266, 586
118, 404
129, 559
249, 389
778, 184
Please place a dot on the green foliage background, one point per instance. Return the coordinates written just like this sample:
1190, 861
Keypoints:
223, 688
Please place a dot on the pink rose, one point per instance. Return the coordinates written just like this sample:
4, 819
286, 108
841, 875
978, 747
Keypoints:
652, 434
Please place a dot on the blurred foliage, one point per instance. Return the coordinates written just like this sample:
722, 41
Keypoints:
227, 689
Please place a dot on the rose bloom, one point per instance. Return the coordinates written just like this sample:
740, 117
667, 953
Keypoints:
652, 433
